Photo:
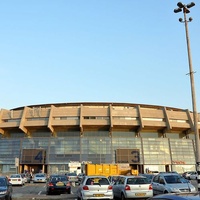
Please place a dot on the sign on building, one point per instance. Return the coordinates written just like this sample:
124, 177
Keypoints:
131, 156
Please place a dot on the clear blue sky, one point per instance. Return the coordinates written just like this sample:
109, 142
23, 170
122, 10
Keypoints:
130, 51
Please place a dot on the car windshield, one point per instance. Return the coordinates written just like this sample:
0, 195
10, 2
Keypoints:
72, 174
173, 179
15, 176
97, 181
58, 178
39, 175
135, 181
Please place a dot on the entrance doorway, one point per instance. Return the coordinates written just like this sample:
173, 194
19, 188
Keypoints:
33, 169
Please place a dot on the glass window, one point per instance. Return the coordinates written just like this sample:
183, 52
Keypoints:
96, 149
149, 134
182, 151
156, 151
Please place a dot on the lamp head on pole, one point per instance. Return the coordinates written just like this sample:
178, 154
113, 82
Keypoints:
180, 20
177, 10
180, 5
190, 5
190, 19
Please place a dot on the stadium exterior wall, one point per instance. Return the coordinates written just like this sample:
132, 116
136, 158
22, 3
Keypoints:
146, 136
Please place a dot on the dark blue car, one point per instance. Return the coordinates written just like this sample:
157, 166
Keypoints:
6, 189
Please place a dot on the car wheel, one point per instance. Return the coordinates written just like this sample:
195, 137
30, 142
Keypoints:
78, 198
123, 197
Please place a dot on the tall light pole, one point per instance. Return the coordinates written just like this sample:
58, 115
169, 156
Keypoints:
185, 9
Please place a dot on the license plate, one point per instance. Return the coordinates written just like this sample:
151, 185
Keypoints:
98, 195
140, 194
60, 184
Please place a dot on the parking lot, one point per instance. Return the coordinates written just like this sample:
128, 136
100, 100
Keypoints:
36, 191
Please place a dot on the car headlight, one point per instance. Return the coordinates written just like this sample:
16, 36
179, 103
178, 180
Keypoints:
3, 192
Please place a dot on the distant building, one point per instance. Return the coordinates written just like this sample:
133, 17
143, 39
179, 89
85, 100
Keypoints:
48, 137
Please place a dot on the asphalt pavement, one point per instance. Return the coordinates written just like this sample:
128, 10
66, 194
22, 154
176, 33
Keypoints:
43, 197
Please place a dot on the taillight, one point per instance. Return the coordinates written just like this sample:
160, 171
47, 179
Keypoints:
19, 179
50, 184
150, 187
110, 187
85, 187
127, 187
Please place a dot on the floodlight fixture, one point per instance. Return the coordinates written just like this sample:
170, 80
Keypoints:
190, 19
180, 20
177, 10
180, 5
190, 5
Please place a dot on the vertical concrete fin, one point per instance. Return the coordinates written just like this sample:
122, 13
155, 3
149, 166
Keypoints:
50, 120
23, 119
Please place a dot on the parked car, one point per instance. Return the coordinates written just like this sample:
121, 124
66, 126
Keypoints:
186, 175
16, 179
24, 177
193, 176
175, 196
58, 184
39, 178
80, 177
148, 176
6, 189
171, 183
72, 177
95, 187
28, 177
132, 187
113, 179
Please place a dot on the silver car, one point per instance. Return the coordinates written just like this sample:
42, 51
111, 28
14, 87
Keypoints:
130, 187
94, 187
171, 183
39, 178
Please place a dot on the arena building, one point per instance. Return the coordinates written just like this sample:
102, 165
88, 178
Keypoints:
48, 137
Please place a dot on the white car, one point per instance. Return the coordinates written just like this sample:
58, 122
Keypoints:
193, 176
132, 187
95, 187
16, 179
